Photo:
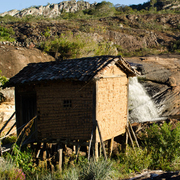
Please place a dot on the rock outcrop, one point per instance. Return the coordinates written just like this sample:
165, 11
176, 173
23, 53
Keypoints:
51, 10
13, 59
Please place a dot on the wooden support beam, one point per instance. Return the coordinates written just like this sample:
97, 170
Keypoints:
96, 150
39, 150
134, 135
60, 154
110, 146
90, 142
101, 140
77, 152
7, 122
130, 137
100, 150
11, 128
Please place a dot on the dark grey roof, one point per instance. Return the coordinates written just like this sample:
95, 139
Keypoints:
83, 69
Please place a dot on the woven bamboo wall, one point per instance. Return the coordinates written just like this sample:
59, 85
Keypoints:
57, 121
112, 102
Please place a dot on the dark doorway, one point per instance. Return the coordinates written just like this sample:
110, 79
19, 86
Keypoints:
29, 107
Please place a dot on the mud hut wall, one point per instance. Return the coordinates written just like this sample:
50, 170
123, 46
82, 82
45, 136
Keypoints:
65, 110
111, 98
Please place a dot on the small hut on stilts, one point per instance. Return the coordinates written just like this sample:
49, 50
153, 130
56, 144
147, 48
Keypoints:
78, 102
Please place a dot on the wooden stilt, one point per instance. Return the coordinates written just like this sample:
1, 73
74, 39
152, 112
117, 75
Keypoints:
100, 150
110, 147
96, 150
130, 137
60, 153
74, 149
77, 151
126, 139
39, 150
90, 142
101, 140
44, 152
134, 135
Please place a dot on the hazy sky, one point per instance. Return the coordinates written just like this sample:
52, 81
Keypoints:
6, 5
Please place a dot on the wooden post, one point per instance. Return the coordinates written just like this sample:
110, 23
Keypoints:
74, 148
100, 150
96, 150
101, 140
90, 142
77, 151
130, 137
60, 153
44, 152
110, 146
39, 150
134, 135
126, 139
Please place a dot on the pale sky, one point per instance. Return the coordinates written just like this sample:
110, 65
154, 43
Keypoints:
7, 5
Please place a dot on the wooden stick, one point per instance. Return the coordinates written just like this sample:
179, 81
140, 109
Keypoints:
96, 150
100, 150
90, 142
110, 146
126, 139
134, 135
11, 128
60, 152
77, 152
39, 150
101, 140
7, 122
130, 136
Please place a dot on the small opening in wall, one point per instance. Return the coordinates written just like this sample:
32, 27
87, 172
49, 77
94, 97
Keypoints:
67, 103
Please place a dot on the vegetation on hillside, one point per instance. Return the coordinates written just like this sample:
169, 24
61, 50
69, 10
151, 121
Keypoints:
6, 34
139, 25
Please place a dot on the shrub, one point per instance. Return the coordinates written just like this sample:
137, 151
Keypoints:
9, 171
69, 46
101, 9
66, 47
163, 143
3, 79
71, 174
97, 170
9, 139
134, 160
22, 159
6, 33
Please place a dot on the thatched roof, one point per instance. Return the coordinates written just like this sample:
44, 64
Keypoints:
82, 69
